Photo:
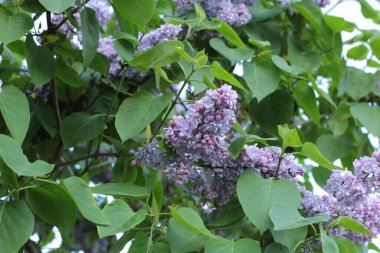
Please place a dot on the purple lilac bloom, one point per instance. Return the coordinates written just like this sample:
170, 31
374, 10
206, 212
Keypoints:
200, 159
105, 47
164, 33
322, 3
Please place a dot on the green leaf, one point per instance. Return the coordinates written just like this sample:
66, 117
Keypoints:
80, 127
305, 98
368, 116
291, 139
17, 117
237, 146
15, 26
261, 78
138, 12
121, 217
57, 6
144, 244
328, 243
369, 12
121, 189
81, 194
346, 246
257, 197
221, 245
285, 217
234, 55
321, 175
282, 64
191, 220
375, 46
90, 33
68, 75
335, 147
136, 112
219, 72
338, 24
201, 14
40, 61
52, 204
311, 151
12, 154
275, 109
182, 239
290, 238
276, 248
158, 56
16, 225
351, 224
226, 30
358, 53
349, 83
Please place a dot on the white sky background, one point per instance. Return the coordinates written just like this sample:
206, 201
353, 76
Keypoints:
349, 10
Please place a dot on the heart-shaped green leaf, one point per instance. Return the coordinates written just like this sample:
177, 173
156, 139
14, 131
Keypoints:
13, 27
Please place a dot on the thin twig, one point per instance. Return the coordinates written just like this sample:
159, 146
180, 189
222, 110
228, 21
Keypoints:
108, 154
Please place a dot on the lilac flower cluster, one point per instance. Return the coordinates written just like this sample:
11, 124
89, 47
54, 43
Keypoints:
200, 159
163, 33
350, 194
105, 47
320, 3
233, 12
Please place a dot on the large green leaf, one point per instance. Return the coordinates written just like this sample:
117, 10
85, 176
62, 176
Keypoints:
17, 117
335, 147
262, 78
277, 248
182, 239
275, 109
346, 245
80, 127
234, 55
136, 112
40, 61
13, 27
290, 238
68, 75
121, 189
84, 200
338, 24
158, 56
258, 195
138, 12
311, 151
56, 6
226, 30
368, 116
52, 204
221, 245
305, 98
121, 217
145, 244
349, 83
351, 224
285, 217
90, 33
13, 156
328, 243
16, 225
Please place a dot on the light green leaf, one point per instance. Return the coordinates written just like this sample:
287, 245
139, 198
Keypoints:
291, 139
136, 112
349, 83
328, 243
17, 117
351, 224
16, 225
121, 217
57, 6
234, 55
81, 194
258, 195
291, 237
158, 56
40, 61
90, 33
305, 98
262, 79
219, 72
138, 12
375, 46
311, 151
80, 127
226, 30
191, 220
53, 205
12, 154
346, 245
121, 189
368, 116
359, 52
338, 24
285, 217
13, 27
282, 64
221, 245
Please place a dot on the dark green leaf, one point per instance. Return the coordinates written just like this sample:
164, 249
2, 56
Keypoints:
290, 238
68, 75
237, 146
335, 147
305, 98
57, 6
121, 189
221, 245
90, 33
138, 12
